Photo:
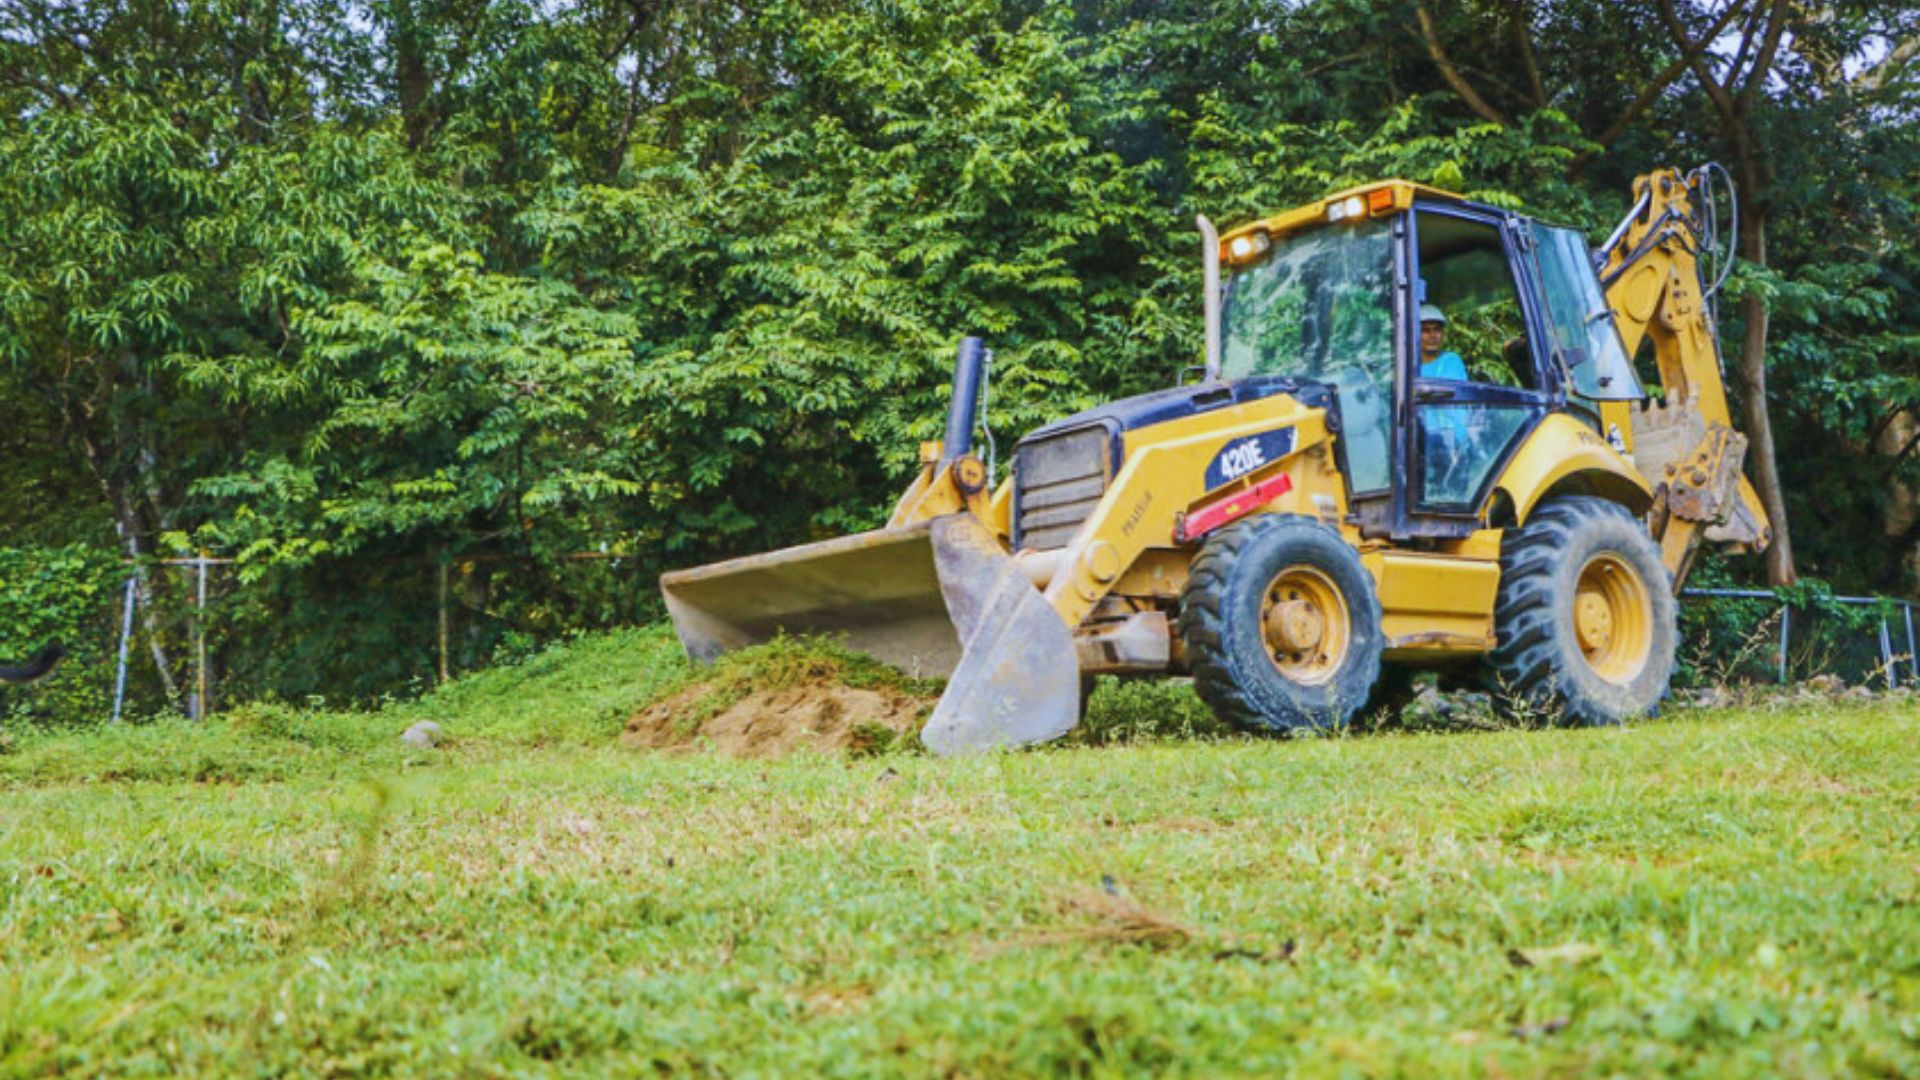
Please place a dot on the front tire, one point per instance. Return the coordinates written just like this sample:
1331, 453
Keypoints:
1585, 623
1281, 625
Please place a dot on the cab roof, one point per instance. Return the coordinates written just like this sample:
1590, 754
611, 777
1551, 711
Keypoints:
1379, 198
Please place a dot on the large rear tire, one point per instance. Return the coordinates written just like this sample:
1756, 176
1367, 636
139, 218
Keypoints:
1585, 622
1281, 625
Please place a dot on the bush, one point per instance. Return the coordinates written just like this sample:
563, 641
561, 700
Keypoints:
1730, 640
1142, 710
67, 594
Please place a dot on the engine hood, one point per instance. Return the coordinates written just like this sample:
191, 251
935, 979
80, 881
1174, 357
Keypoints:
1145, 410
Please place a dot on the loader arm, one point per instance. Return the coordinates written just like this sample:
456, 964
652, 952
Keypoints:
1685, 445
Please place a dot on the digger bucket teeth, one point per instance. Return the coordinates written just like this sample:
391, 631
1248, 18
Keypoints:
934, 598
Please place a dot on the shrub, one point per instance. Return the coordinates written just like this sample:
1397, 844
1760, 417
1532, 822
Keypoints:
68, 594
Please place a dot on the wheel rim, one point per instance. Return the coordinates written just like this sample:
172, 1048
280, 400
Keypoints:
1613, 618
1305, 624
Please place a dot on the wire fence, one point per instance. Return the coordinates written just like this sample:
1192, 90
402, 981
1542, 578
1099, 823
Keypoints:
465, 631
1758, 635
196, 634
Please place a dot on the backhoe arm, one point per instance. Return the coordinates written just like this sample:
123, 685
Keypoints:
1685, 445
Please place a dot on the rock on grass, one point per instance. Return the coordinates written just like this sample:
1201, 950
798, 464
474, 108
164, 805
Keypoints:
426, 735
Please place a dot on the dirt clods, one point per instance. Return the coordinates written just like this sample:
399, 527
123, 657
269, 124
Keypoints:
818, 715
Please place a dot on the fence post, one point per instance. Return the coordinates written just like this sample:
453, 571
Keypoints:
1913, 655
443, 620
1886, 655
126, 634
200, 702
1786, 619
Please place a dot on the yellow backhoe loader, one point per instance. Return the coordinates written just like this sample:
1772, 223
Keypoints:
1420, 440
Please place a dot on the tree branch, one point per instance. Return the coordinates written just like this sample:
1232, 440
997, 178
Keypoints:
1718, 93
1769, 48
1329, 65
622, 140
1740, 54
1654, 88
1452, 76
1521, 12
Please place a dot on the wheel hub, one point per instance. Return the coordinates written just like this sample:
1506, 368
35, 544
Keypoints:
1296, 625
1613, 617
1305, 624
1594, 621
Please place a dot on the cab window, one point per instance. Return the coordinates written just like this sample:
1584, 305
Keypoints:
1471, 325
1475, 370
1320, 307
1579, 322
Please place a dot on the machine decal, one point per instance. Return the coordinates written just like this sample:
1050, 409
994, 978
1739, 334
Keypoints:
1248, 453
1203, 520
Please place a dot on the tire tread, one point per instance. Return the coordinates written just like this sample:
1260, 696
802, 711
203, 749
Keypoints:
1202, 624
1524, 662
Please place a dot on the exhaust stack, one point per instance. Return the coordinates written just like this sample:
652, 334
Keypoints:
1210, 256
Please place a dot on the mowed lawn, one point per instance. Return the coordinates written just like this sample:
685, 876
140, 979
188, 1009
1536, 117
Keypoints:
285, 892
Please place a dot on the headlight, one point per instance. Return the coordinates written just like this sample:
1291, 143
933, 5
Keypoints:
1242, 248
1352, 206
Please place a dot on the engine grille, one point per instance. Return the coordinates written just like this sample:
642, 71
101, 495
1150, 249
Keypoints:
1058, 481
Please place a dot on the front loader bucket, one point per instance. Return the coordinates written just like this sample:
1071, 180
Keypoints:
934, 598
875, 590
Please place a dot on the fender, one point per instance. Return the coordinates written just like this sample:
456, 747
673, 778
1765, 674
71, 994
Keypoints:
1561, 449
1169, 467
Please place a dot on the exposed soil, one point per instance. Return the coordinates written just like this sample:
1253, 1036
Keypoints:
818, 715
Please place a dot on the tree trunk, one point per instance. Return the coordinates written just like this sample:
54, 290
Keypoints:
476, 594
413, 82
126, 522
1759, 426
1901, 516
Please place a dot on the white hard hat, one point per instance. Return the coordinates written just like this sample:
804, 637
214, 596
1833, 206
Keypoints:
1432, 313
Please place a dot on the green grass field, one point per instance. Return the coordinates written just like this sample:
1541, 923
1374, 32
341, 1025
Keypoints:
291, 891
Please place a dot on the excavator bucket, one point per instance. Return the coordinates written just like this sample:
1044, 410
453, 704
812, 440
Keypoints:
934, 598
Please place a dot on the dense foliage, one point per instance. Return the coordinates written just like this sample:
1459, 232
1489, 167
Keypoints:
351, 291
59, 595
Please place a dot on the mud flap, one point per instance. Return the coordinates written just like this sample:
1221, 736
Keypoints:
1018, 680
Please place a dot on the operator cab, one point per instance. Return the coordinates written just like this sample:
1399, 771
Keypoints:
1515, 327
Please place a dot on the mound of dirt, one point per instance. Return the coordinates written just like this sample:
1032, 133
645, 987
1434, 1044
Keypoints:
819, 715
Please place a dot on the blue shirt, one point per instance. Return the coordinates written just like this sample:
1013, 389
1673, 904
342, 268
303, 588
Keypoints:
1447, 365
1445, 425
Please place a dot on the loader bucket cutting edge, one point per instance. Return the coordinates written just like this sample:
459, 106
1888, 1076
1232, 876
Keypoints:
936, 598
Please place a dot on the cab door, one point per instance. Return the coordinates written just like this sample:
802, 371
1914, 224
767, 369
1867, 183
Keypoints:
1473, 397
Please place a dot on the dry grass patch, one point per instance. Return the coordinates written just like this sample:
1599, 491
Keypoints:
1106, 916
